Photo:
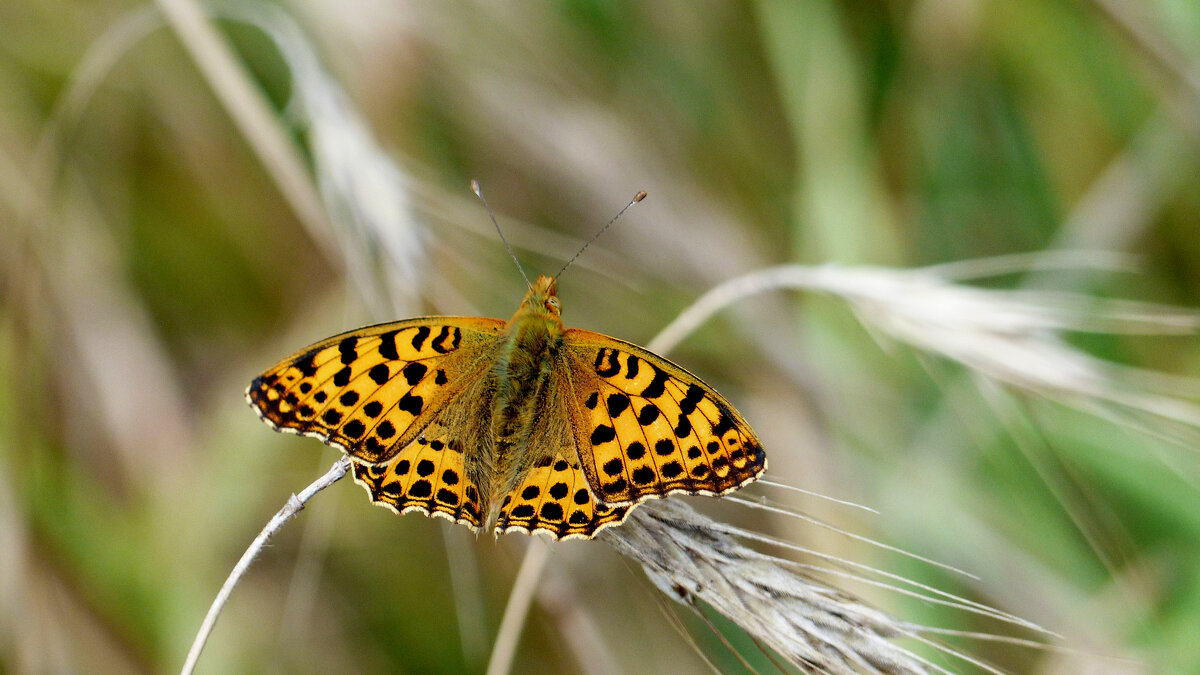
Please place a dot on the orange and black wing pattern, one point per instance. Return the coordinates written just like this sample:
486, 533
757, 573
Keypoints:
647, 428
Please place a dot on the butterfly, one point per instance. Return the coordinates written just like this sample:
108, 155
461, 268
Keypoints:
520, 425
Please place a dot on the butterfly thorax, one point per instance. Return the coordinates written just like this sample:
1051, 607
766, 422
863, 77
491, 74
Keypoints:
522, 373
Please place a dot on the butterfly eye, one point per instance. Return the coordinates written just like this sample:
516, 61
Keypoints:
552, 304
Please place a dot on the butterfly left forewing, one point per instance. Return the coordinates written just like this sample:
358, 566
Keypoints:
647, 428
371, 391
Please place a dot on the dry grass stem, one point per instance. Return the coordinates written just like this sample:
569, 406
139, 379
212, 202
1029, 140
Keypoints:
1010, 337
364, 191
293, 506
523, 592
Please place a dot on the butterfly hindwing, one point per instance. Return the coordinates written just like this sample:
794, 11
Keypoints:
371, 391
428, 476
647, 428
554, 498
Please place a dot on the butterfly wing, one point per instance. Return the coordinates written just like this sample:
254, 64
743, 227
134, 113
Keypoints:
554, 498
427, 476
372, 391
647, 428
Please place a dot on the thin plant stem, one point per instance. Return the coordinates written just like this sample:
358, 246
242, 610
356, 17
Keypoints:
293, 506
525, 587
523, 592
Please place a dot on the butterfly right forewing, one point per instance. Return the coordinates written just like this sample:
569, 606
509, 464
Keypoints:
371, 391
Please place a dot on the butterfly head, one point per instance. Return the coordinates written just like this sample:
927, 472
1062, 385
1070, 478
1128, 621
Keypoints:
542, 297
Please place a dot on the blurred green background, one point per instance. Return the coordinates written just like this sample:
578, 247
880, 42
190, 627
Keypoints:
151, 266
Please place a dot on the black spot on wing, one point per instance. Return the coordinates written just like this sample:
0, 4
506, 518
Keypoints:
657, 386
305, 364
385, 430
419, 337
631, 367
648, 414
379, 373
348, 351
354, 429
671, 470
694, 395
342, 377
447, 340
683, 428
606, 362
723, 425
603, 434
619, 485
387, 345
413, 373
551, 511
617, 403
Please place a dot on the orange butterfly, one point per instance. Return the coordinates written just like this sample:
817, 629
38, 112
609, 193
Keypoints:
520, 425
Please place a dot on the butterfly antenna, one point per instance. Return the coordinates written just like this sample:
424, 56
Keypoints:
636, 198
479, 193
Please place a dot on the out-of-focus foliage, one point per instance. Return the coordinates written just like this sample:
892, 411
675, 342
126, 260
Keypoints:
150, 267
